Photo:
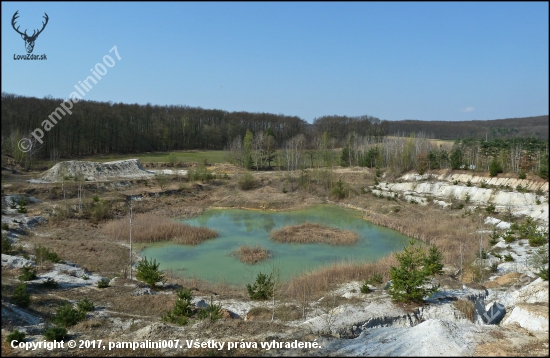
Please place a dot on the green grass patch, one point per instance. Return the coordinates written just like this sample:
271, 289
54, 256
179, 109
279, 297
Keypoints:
193, 156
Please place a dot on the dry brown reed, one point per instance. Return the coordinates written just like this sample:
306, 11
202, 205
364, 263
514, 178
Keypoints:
466, 307
148, 228
252, 254
313, 233
449, 232
314, 283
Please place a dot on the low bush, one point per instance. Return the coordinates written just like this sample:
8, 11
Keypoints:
493, 240
341, 190
20, 296
202, 174
7, 247
148, 272
55, 333
66, 316
85, 305
213, 312
182, 310
365, 287
490, 208
28, 273
16, 336
103, 283
262, 288
247, 181
44, 254
508, 257
50, 283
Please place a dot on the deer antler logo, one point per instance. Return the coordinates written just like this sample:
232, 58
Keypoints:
29, 40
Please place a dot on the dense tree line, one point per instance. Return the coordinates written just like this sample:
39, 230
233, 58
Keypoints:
263, 141
105, 127
536, 127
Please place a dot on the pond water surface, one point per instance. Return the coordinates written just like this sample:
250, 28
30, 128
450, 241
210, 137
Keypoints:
213, 260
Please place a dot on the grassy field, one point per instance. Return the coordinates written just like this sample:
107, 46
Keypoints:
192, 156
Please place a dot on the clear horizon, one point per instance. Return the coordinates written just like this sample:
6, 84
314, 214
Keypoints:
393, 61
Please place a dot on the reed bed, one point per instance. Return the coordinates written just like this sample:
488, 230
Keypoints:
313, 233
319, 281
149, 228
450, 232
252, 254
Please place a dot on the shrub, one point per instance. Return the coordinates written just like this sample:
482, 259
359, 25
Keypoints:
85, 305
42, 254
365, 287
543, 273
469, 183
483, 184
247, 181
495, 168
522, 175
410, 278
55, 333
262, 289
100, 210
66, 316
433, 262
162, 180
20, 296
16, 336
490, 208
7, 247
50, 283
482, 255
508, 257
213, 312
340, 190
148, 272
182, 310
5, 226
494, 238
103, 283
28, 274
375, 278
202, 174
494, 267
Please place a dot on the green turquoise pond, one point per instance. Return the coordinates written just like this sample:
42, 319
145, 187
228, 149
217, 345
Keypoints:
213, 260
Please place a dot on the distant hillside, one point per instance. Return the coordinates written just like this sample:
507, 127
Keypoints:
498, 128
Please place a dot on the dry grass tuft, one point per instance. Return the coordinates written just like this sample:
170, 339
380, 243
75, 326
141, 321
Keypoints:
252, 254
149, 228
466, 307
310, 233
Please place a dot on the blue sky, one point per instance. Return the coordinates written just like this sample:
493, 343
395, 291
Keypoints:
427, 61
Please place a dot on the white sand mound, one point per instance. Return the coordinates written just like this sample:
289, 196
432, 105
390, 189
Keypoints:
129, 169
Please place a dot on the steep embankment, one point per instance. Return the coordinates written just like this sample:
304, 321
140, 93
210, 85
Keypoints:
517, 196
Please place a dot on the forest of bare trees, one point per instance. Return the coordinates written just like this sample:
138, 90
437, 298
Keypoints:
263, 141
